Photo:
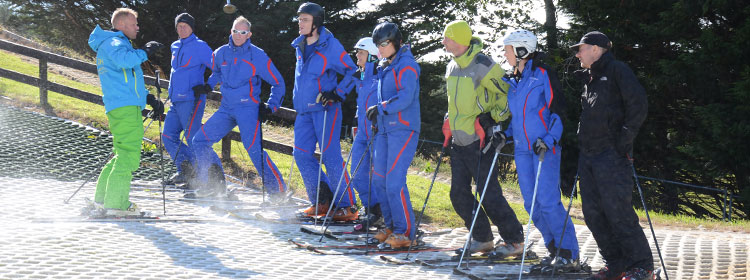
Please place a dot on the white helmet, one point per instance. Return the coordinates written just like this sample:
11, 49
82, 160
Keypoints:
523, 42
368, 45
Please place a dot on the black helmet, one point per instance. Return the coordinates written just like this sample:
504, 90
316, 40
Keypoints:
387, 31
315, 10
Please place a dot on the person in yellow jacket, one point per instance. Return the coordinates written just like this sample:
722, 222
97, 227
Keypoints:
477, 102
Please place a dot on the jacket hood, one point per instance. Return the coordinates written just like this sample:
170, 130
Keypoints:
475, 46
99, 35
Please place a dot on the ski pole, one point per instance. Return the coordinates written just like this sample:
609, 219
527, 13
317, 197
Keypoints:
338, 187
348, 185
161, 148
531, 213
476, 213
320, 164
565, 224
424, 206
656, 242
369, 193
262, 162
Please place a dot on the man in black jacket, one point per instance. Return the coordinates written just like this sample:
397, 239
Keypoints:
614, 106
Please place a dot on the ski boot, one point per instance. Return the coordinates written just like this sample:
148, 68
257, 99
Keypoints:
186, 178
399, 240
374, 216
605, 274
216, 186
345, 214
638, 274
92, 208
478, 247
278, 198
133, 211
506, 250
380, 237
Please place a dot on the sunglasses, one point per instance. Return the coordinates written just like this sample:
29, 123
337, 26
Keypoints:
243, 32
384, 43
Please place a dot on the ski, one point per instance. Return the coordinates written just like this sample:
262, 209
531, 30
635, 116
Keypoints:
300, 220
139, 219
365, 249
357, 233
487, 275
453, 260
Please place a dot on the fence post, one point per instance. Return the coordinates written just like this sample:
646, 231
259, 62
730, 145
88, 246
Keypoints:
724, 207
730, 207
226, 148
43, 85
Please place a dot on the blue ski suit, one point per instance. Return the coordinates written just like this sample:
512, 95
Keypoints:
190, 58
314, 74
534, 109
367, 96
240, 70
398, 123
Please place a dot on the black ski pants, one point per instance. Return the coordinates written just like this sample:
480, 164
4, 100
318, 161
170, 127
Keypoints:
606, 194
464, 161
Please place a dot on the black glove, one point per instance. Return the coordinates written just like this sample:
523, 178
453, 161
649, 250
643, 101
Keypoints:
372, 114
201, 89
487, 122
540, 147
624, 144
156, 106
498, 137
264, 111
152, 47
328, 96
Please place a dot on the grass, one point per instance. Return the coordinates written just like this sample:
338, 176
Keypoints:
438, 213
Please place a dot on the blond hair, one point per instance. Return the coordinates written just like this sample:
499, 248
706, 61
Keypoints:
121, 12
242, 19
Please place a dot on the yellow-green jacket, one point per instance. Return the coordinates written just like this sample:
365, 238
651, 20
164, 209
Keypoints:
474, 86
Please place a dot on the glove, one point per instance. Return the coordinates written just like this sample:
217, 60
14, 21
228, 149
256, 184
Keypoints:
540, 147
624, 142
201, 89
156, 105
264, 111
372, 114
498, 137
480, 133
447, 131
328, 96
486, 121
152, 47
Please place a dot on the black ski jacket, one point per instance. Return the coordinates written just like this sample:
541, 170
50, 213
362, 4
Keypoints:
614, 106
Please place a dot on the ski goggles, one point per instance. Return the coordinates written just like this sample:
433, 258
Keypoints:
384, 43
242, 32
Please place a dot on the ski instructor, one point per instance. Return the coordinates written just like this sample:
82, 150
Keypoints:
124, 96
614, 106
317, 100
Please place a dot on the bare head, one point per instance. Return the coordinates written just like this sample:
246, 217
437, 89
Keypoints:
240, 31
126, 20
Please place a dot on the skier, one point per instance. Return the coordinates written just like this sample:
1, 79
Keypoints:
366, 86
476, 92
397, 122
536, 102
124, 95
317, 97
240, 66
614, 106
190, 58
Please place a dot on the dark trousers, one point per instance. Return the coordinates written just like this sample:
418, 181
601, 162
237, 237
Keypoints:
464, 161
606, 182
